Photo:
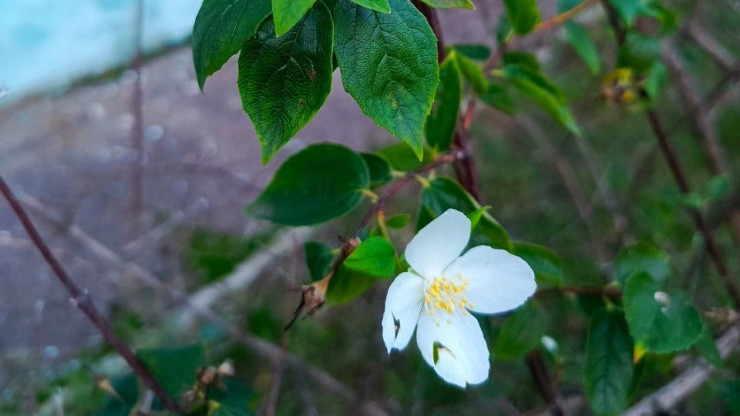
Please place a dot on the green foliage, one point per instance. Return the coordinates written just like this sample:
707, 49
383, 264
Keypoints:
655, 80
378, 5
707, 348
318, 259
284, 81
442, 120
126, 388
379, 168
521, 332
374, 256
402, 158
450, 4
398, 221
174, 368
641, 257
639, 52
286, 13
400, 49
473, 51
445, 193
220, 30
532, 83
231, 400
609, 369
583, 46
498, 98
547, 266
347, 285
317, 184
473, 72
214, 255
658, 321
523, 14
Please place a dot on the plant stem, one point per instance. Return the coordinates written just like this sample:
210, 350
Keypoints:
82, 300
562, 18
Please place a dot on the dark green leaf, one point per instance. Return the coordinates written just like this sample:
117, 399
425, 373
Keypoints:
719, 187
639, 52
444, 193
627, 9
214, 255
378, 5
374, 256
475, 216
655, 80
284, 81
658, 321
498, 98
317, 184
318, 259
347, 285
442, 120
547, 266
399, 49
473, 72
450, 4
524, 15
641, 257
707, 347
583, 46
609, 368
521, 332
379, 168
398, 221
233, 399
523, 59
126, 388
473, 51
174, 368
286, 13
220, 30
402, 158
729, 391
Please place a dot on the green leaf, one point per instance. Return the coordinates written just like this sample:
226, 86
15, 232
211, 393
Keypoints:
442, 120
450, 4
729, 391
521, 332
174, 368
233, 399
547, 266
541, 90
374, 256
318, 259
398, 221
655, 80
220, 30
473, 72
444, 193
609, 368
639, 52
379, 168
347, 285
287, 13
641, 257
475, 216
284, 81
707, 348
524, 15
400, 51
473, 51
524, 59
584, 47
126, 388
719, 187
658, 321
402, 158
317, 184
498, 98
627, 9
378, 5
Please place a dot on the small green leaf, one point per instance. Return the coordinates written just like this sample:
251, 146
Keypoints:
524, 59
126, 388
473, 51
174, 368
444, 193
317, 184
231, 399
655, 80
498, 98
398, 221
379, 168
719, 188
374, 256
402, 158
347, 285
584, 47
707, 348
475, 216
399, 49
318, 259
533, 84
220, 30
473, 72
639, 52
547, 266
450, 4
609, 368
284, 81
523, 14
641, 257
287, 13
521, 332
627, 9
377, 5
658, 321
442, 120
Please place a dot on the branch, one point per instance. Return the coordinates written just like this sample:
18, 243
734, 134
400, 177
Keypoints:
562, 18
82, 300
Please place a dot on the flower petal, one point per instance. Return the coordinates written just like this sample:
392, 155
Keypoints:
461, 353
498, 280
402, 307
438, 244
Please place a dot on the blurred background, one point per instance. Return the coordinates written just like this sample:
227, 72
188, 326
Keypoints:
138, 181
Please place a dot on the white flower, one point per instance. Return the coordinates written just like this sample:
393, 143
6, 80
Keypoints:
440, 289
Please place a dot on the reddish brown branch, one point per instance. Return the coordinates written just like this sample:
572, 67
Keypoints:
82, 300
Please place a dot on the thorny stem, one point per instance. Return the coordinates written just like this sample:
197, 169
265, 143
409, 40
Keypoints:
82, 300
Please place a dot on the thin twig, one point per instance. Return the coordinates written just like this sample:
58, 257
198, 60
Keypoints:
711, 46
562, 18
82, 300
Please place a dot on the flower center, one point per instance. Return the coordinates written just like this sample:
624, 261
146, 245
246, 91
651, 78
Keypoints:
447, 294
